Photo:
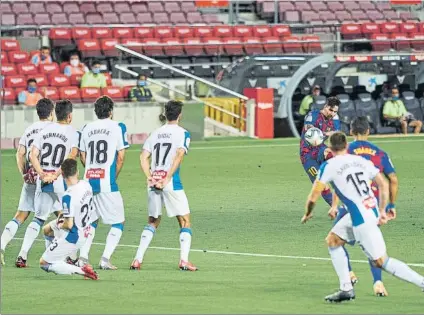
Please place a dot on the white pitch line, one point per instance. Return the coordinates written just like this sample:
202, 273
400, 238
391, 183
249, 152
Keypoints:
206, 251
270, 145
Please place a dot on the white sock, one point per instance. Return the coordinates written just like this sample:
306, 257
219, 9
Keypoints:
62, 268
340, 264
146, 238
31, 234
85, 249
185, 243
74, 255
112, 241
402, 271
9, 233
48, 240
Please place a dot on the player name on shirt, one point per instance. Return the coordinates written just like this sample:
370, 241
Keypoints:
99, 132
346, 166
61, 136
32, 132
164, 136
364, 150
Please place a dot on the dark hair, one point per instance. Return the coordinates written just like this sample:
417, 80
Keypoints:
359, 125
63, 109
74, 53
338, 141
69, 168
333, 101
44, 108
103, 106
30, 80
141, 75
173, 110
44, 47
96, 62
162, 118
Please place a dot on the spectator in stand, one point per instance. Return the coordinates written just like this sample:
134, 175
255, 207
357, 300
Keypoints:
42, 57
141, 93
75, 67
94, 78
395, 114
308, 100
30, 96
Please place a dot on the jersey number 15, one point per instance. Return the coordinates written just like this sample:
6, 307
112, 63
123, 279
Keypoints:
359, 183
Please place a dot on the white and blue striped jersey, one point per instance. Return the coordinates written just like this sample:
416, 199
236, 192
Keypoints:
77, 204
29, 135
163, 144
351, 177
55, 142
101, 140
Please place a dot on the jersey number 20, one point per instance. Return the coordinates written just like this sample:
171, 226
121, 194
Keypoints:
58, 153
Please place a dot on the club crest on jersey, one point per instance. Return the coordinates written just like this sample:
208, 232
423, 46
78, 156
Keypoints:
158, 175
95, 173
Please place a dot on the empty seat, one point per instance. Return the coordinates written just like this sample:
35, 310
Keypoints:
71, 93
194, 17
101, 32
193, 47
155, 6
261, 31
138, 7
188, 6
81, 33
160, 18
37, 7
178, 18
7, 96
171, 6
412, 104
108, 47
60, 36
273, 45
335, 6
369, 29
375, 15
59, 80
49, 68
418, 43
291, 45
366, 106
123, 32
59, 18
15, 81
76, 18
233, 46
183, 32
25, 19
87, 7
19, 7
408, 27
347, 112
90, 94
359, 15
114, 92
27, 69
18, 57
253, 46
380, 42
211, 19
5, 7
366, 5
8, 69
109, 18
143, 32
8, 19
162, 32
50, 92
42, 18
40, 78
89, 48
389, 27
54, 7
128, 42
223, 31
203, 31
104, 7
144, 18
174, 47
312, 44
4, 59
121, 7
242, 31
401, 41
127, 18
281, 31
351, 31
71, 7
10, 45
97, 18
152, 47
76, 79
213, 46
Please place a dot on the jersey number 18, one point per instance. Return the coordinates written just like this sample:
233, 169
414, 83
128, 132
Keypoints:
98, 151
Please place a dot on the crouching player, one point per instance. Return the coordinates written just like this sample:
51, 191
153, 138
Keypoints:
161, 159
73, 228
360, 130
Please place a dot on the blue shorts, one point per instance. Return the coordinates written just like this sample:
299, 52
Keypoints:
311, 168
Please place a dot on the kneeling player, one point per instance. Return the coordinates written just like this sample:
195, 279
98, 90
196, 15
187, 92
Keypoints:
74, 228
166, 148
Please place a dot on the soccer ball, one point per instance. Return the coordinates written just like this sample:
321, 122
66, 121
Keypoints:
314, 136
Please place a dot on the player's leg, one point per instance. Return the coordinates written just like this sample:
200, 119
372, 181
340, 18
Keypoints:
43, 204
336, 239
86, 247
311, 167
112, 212
154, 207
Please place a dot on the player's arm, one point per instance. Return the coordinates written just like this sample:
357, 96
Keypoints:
313, 197
68, 223
68, 216
145, 165
120, 161
393, 187
383, 188
83, 157
20, 159
334, 207
33, 157
123, 144
179, 156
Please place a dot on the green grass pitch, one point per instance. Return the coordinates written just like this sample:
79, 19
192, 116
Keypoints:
247, 198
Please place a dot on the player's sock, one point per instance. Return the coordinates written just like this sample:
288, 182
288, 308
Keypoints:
31, 234
85, 249
376, 272
9, 232
328, 197
74, 255
62, 268
340, 263
185, 243
402, 271
348, 258
48, 240
146, 238
112, 240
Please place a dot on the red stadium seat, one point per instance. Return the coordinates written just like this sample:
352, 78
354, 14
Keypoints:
281, 31
368, 29
193, 46
379, 45
389, 28
123, 32
223, 31
89, 48
114, 92
75, 79
27, 69
4, 58
60, 36
150, 49
108, 78
162, 32
261, 31
351, 31
101, 32
183, 32
18, 57
203, 31
81, 33
63, 65
40, 78
273, 45
242, 31
71, 93
89, 94
213, 46
126, 91
291, 45
418, 43
8, 96
401, 42
175, 47
408, 27
143, 32
49, 68
233, 46
15, 81
108, 47
8, 69
59, 80
311, 47
130, 41
253, 46
10, 45
49, 92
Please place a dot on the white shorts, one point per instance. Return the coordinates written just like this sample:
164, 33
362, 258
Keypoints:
108, 206
26, 200
175, 202
46, 203
60, 248
368, 235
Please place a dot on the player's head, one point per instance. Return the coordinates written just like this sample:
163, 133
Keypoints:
173, 110
63, 111
103, 107
316, 91
338, 142
69, 168
331, 107
360, 126
45, 109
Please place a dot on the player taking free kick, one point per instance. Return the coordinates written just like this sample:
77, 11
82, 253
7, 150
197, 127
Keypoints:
161, 159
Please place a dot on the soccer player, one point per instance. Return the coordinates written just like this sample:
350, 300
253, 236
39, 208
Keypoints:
160, 160
350, 177
103, 143
361, 146
54, 143
74, 227
44, 109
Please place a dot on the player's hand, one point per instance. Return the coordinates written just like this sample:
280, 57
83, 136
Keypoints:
391, 213
306, 218
150, 181
382, 219
333, 212
163, 182
329, 133
30, 176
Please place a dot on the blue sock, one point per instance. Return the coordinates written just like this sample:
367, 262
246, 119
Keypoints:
376, 272
348, 259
